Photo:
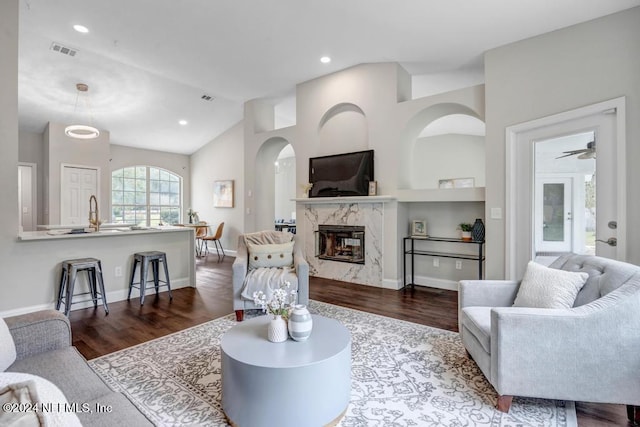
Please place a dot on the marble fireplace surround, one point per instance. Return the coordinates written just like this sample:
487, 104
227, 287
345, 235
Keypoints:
361, 211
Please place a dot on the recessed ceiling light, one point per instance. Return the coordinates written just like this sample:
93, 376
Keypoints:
325, 59
81, 28
183, 122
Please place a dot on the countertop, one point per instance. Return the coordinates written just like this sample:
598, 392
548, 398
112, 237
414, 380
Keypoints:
107, 232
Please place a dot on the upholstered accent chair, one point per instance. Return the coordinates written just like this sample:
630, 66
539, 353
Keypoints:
265, 260
588, 352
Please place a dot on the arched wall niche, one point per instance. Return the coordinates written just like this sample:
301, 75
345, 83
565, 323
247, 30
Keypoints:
265, 193
410, 161
450, 147
343, 125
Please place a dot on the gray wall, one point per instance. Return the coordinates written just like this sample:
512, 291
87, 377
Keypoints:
220, 159
555, 72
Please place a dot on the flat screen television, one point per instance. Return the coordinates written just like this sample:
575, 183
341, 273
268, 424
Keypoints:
341, 175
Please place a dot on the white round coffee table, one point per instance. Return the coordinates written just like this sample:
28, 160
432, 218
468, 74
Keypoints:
290, 383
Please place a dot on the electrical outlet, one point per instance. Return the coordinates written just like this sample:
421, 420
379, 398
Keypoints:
458, 265
436, 262
118, 272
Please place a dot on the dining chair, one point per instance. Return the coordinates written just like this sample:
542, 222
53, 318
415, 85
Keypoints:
215, 238
202, 229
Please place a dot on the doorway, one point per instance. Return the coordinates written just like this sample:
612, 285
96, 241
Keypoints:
77, 185
285, 187
27, 196
551, 183
565, 196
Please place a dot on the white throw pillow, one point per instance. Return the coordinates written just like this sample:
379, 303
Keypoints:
270, 255
7, 347
544, 287
26, 391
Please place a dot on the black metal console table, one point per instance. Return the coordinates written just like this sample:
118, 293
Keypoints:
413, 251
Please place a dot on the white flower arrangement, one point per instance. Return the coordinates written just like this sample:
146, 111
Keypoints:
281, 300
306, 187
193, 215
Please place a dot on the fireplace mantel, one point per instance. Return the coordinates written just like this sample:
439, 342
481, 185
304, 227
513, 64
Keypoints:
353, 199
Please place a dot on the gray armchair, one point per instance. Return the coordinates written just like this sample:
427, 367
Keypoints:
588, 353
241, 269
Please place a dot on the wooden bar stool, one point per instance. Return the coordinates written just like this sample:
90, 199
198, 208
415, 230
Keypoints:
70, 270
144, 258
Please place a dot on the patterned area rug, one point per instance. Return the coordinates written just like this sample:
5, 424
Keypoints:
403, 374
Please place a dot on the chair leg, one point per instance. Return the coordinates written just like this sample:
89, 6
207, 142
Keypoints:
155, 266
100, 282
133, 277
633, 413
221, 248
144, 271
504, 403
91, 278
70, 285
239, 315
166, 276
61, 292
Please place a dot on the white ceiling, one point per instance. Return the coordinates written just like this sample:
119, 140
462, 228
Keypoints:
148, 62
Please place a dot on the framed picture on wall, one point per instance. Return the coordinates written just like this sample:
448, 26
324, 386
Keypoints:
456, 183
223, 194
418, 228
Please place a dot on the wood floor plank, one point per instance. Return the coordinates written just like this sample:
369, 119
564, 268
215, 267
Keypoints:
129, 324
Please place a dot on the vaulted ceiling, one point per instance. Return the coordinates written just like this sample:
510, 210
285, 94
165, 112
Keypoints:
148, 63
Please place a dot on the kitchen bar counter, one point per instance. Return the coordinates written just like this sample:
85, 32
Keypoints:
44, 251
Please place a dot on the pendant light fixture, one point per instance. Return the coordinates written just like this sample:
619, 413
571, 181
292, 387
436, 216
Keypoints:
82, 131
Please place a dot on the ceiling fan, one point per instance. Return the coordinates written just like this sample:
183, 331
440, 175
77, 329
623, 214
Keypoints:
584, 153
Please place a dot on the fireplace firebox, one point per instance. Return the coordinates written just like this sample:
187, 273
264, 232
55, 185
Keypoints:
344, 243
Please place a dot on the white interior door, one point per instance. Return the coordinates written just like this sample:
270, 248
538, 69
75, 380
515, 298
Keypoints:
78, 184
606, 121
553, 215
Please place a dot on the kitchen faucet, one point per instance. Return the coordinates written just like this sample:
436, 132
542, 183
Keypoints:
94, 221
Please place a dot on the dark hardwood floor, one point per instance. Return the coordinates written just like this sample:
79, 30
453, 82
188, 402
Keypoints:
128, 324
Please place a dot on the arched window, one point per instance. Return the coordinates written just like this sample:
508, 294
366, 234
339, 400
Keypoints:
145, 196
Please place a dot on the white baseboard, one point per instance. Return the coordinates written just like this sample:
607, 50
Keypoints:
433, 282
391, 284
112, 296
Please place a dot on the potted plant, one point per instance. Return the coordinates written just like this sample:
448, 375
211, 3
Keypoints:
466, 231
193, 216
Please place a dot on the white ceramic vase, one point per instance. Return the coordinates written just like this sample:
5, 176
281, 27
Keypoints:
300, 323
277, 329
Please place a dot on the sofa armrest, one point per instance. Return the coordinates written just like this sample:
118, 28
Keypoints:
39, 332
487, 293
302, 271
239, 272
239, 268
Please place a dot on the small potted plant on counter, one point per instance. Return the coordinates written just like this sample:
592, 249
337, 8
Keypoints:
466, 231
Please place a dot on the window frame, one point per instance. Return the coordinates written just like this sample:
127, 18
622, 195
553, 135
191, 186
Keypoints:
141, 185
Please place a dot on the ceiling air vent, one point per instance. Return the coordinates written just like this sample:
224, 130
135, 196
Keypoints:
57, 47
207, 97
